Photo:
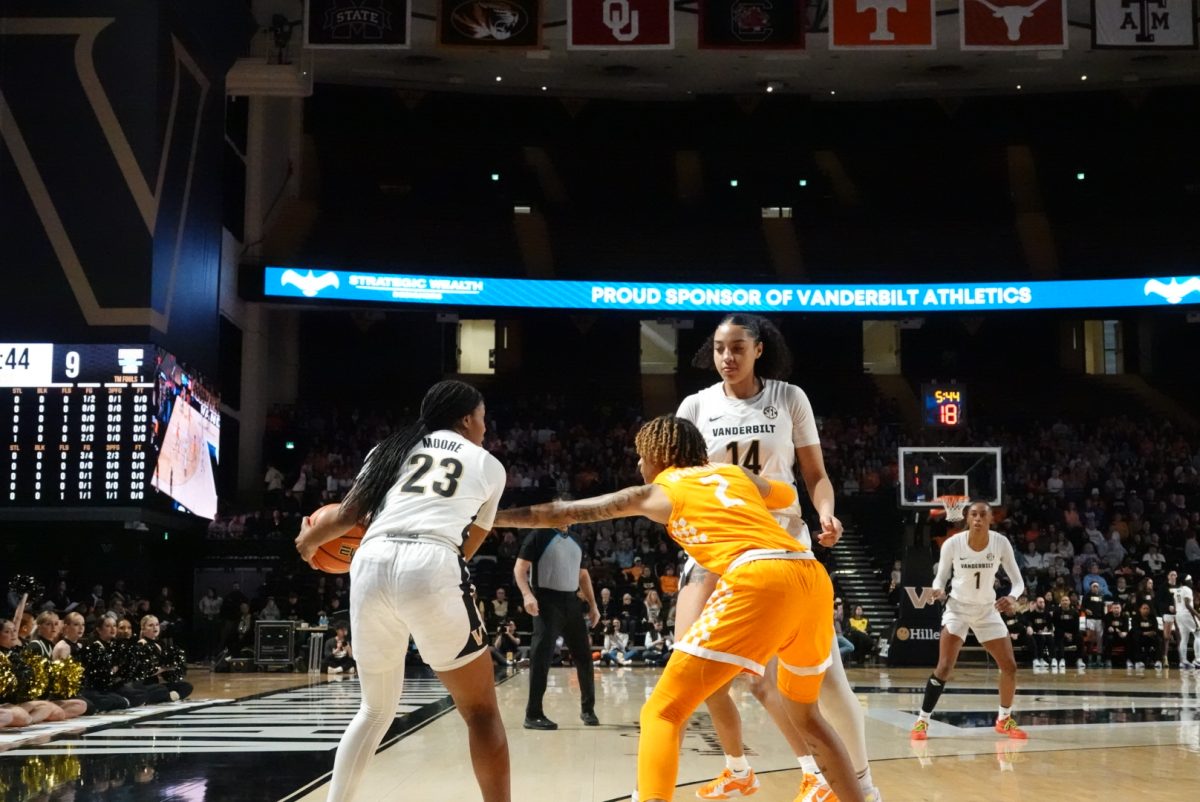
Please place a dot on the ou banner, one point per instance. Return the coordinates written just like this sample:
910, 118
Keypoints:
1013, 24
881, 24
620, 25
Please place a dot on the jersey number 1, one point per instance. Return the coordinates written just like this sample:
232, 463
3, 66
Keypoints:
750, 462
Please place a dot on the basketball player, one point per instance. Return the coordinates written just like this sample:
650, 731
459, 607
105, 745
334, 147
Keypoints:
428, 493
974, 557
755, 419
773, 598
1187, 621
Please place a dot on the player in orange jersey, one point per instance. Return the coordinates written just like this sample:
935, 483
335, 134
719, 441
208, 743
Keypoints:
773, 598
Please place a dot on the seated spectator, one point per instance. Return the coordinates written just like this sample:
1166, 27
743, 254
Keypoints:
506, 647
632, 614
1154, 560
1116, 634
610, 609
658, 644
859, 634
616, 645
654, 609
498, 610
339, 653
1146, 637
668, 582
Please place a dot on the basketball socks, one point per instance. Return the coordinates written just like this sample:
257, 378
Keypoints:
865, 781
809, 765
933, 692
738, 765
1005, 712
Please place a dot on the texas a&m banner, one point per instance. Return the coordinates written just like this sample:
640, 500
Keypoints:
752, 24
357, 23
620, 25
1144, 23
881, 24
1013, 24
515, 24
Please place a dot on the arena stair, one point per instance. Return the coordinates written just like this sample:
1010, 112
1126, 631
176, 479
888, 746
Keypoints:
860, 581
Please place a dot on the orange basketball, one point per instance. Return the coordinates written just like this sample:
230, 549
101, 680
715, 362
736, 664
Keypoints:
334, 557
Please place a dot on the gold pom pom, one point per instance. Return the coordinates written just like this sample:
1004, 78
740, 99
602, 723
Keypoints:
8, 679
38, 680
66, 678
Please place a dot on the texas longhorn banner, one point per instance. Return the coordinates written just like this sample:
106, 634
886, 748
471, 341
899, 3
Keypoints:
513, 24
752, 24
357, 24
1013, 24
620, 25
1149, 24
881, 24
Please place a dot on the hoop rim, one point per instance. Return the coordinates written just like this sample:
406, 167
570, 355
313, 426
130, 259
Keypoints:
953, 505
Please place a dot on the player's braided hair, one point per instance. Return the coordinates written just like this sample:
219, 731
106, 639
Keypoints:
776, 359
444, 405
673, 442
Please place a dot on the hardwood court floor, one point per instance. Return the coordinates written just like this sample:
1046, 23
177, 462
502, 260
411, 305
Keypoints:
1099, 734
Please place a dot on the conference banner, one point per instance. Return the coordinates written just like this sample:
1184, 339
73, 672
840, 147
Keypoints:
620, 25
321, 285
357, 24
1012, 24
882, 25
751, 24
1144, 24
508, 24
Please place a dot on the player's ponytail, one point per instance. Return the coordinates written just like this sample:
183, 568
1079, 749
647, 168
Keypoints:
776, 359
444, 405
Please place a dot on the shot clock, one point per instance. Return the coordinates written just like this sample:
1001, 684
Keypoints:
944, 405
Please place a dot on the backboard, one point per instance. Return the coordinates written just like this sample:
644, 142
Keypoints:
927, 472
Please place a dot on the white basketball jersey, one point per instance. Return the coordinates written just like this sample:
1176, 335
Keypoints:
1182, 595
760, 433
975, 571
446, 484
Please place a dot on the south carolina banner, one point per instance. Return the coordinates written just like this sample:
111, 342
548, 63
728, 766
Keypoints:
1146, 24
620, 25
515, 24
752, 24
881, 24
1013, 24
356, 24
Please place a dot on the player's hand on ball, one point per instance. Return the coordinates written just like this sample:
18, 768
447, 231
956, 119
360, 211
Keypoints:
831, 531
1006, 604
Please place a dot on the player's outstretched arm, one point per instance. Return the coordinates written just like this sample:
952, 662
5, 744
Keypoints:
776, 495
648, 500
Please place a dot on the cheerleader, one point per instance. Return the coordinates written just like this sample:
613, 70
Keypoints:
168, 664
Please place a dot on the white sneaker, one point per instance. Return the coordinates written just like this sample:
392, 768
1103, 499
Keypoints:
1185, 666
1039, 663
873, 795
1158, 665
1140, 666
1062, 665
335, 669
1080, 664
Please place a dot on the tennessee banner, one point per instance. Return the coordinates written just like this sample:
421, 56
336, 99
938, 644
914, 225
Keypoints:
1149, 24
620, 25
515, 24
881, 24
357, 24
752, 24
1013, 24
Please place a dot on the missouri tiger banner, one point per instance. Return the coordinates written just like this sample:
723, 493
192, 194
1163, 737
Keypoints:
515, 24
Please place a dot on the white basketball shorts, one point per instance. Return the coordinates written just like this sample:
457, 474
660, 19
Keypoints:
400, 587
982, 619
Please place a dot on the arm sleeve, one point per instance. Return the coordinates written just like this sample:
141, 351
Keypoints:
494, 476
945, 563
1009, 561
782, 495
804, 422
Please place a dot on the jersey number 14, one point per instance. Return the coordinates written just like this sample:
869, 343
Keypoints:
749, 461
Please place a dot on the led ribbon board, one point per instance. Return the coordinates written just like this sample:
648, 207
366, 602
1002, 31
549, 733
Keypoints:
348, 285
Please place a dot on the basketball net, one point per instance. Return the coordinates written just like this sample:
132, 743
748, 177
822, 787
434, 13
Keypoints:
953, 507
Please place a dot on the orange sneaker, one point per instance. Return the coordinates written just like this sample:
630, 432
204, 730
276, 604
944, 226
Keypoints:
920, 730
1008, 726
728, 786
813, 790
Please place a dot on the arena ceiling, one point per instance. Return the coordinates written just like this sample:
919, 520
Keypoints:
816, 72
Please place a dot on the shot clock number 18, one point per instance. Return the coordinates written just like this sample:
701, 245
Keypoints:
944, 405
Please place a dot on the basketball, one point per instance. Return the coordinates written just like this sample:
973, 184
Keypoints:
334, 557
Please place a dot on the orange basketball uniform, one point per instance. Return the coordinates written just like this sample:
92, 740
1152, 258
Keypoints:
773, 598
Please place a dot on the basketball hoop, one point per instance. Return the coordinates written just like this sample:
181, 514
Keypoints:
953, 506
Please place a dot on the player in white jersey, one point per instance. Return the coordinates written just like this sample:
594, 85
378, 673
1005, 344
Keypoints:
755, 419
973, 557
1187, 621
429, 493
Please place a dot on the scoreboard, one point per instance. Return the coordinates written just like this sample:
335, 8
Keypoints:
79, 424
944, 405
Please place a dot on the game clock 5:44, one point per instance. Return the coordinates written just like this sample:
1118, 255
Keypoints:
944, 405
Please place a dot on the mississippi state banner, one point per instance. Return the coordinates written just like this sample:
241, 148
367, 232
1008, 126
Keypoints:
1148, 24
752, 24
1012, 24
515, 24
357, 24
620, 25
881, 25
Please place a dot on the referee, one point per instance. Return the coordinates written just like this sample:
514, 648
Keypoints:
549, 572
